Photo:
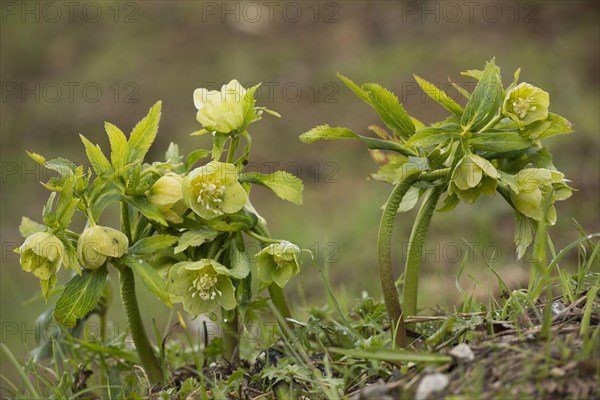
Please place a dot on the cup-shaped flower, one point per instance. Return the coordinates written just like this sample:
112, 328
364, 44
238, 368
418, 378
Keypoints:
167, 195
213, 190
278, 262
201, 286
225, 111
534, 186
97, 243
473, 175
41, 254
526, 103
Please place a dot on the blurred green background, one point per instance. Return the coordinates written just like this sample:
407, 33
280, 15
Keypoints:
66, 69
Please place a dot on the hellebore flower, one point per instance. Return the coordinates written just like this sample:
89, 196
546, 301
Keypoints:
278, 262
526, 103
201, 286
41, 254
167, 195
534, 185
97, 243
213, 190
223, 111
474, 175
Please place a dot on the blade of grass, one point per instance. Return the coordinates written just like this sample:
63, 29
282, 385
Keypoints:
393, 355
587, 313
11, 358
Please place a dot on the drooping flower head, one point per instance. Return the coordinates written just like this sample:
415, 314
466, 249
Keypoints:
534, 185
526, 103
201, 286
167, 195
473, 175
213, 190
278, 262
42, 255
97, 243
223, 111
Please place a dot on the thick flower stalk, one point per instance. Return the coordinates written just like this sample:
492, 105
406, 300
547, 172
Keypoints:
213, 190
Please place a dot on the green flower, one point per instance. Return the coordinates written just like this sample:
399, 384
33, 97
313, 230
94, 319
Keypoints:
213, 190
201, 286
167, 195
225, 110
97, 243
534, 186
41, 254
278, 262
526, 103
473, 175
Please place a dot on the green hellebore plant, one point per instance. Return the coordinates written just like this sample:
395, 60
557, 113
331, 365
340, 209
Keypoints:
224, 111
213, 190
42, 255
97, 243
167, 195
201, 286
534, 185
526, 104
473, 175
278, 262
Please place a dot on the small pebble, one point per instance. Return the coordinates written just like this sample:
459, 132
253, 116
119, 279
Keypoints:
463, 353
431, 386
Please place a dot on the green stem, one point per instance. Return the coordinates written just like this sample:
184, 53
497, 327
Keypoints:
261, 238
279, 301
384, 255
125, 223
492, 122
140, 339
233, 145
415, 250
231, 336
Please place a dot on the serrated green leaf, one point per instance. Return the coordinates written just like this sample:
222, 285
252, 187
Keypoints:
473, 73
143, 134
439, 96
36, 157
28, 227
285, 185
48, 216
47, 286
249, 112
194, 156
70, 259
355, 88
152, 244
499, 142
80, 296
326, 132
485, 101
61, 165
387, 105
142, 204
195, 238
450, 202
433, 136
172, 155
149, 277
523, 234
99, 162
118, 146
107, 194
66, 204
